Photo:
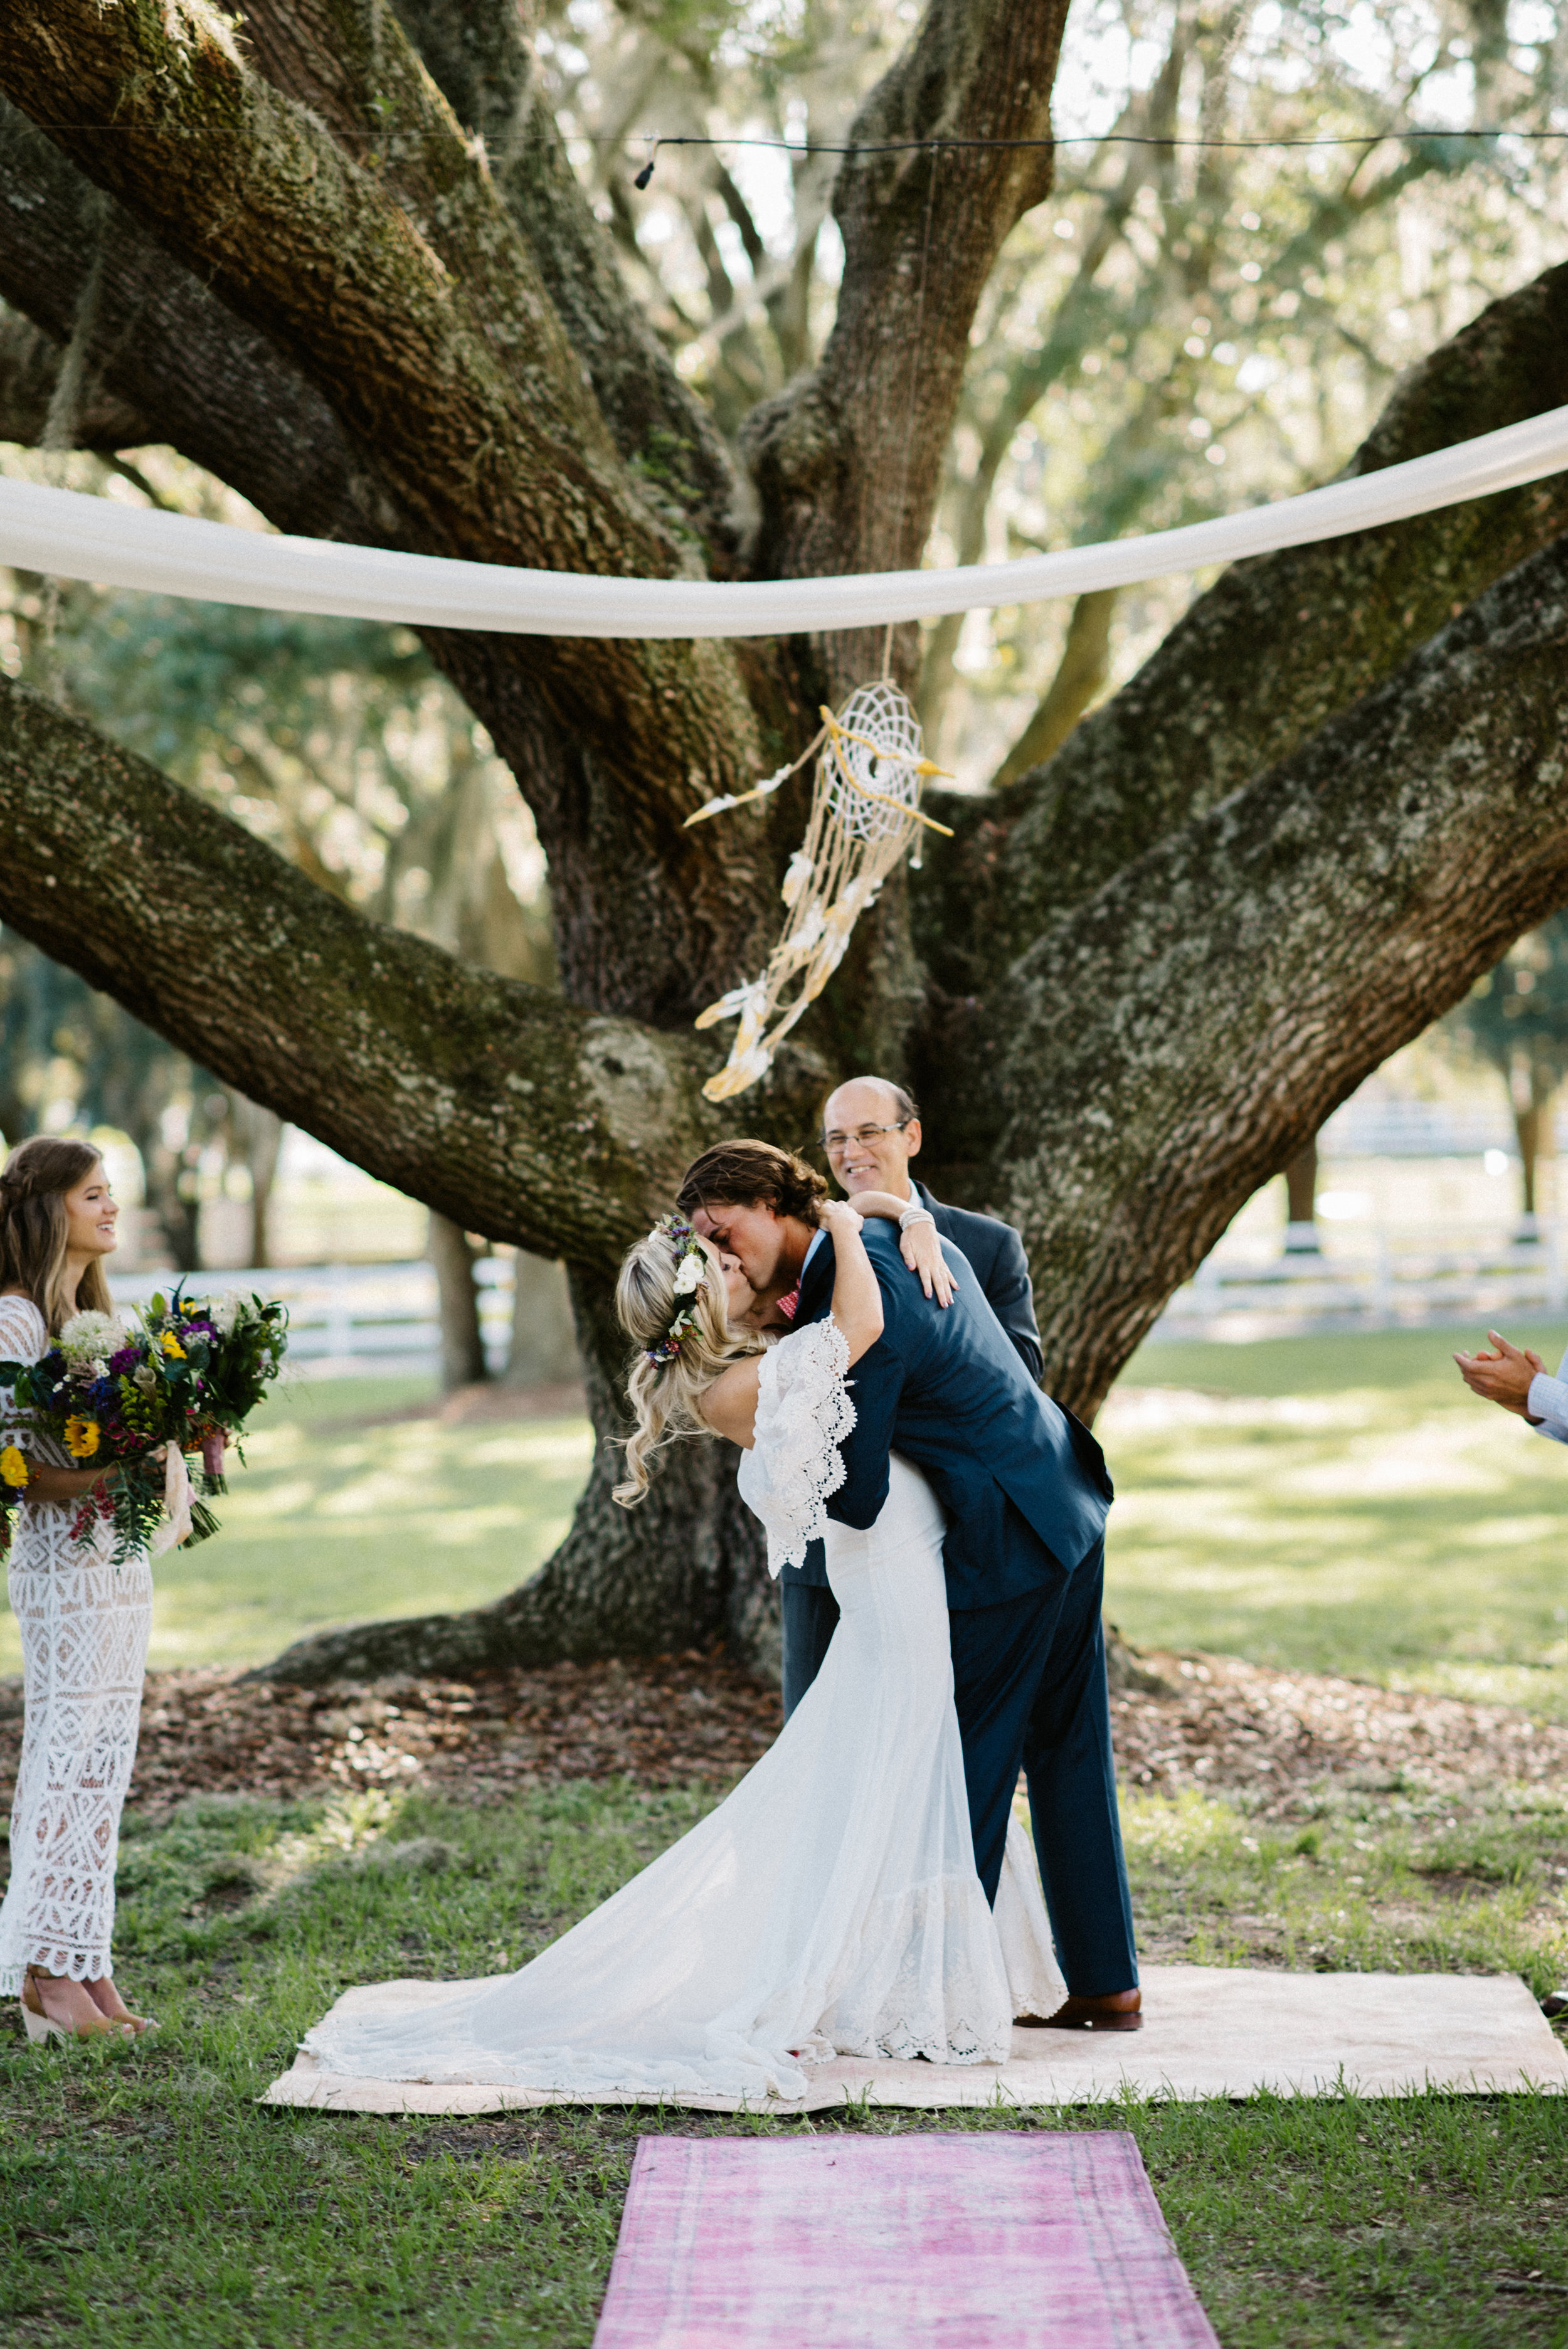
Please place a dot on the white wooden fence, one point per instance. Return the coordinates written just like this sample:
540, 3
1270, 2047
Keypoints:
1377, 1280
355, 1319
360, 1320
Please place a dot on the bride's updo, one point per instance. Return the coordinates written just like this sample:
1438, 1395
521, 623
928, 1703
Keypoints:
671, 1301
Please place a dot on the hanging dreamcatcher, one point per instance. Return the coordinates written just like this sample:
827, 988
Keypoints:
865, 812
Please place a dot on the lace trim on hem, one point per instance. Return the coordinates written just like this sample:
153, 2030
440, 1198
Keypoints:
76, 1965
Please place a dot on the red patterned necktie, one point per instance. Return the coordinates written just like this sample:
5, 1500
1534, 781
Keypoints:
789, 1305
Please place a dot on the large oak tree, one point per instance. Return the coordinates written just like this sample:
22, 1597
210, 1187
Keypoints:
337, 255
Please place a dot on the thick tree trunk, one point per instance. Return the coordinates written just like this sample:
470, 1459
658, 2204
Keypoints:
686, 1569
266, 1145
543, 1351
1159, 962
1169, 1047
1301, 1201
462, 1346
1527, 1126
1273, 652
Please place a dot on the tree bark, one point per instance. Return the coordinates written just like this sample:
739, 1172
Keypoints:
436, 341
686, 1567
543, 1351
501, 1105
1275, 650
1271, 653
29, 381
1301, 1201
452, 1252
1527, 1126
1157, 963
1172, 1043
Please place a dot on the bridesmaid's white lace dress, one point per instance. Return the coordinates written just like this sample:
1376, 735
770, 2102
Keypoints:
828, 1906
84, 1625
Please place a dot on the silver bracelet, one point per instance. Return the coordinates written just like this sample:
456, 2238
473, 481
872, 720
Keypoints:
915, 1215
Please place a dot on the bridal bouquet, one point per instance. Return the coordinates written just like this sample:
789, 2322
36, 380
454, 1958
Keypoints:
188, 1372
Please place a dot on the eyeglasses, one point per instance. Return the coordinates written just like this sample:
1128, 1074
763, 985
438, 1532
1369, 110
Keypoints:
835, 1142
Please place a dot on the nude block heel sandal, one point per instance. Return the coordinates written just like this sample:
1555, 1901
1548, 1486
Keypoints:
37, 2023
40, 2026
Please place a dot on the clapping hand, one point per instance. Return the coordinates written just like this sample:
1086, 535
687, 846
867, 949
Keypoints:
1501, 1378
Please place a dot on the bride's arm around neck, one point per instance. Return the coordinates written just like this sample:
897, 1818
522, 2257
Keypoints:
729, 1406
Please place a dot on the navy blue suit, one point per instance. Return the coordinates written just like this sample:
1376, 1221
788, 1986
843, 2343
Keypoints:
1023, 1488
994, 1254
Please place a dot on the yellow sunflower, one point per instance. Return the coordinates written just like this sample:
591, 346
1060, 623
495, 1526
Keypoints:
14, 1466
81, 1437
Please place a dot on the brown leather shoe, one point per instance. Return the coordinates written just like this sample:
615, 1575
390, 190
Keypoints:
1119, 2010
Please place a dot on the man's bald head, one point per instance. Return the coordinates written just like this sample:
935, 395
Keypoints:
870, 1131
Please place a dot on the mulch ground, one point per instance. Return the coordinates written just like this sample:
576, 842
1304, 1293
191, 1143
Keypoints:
1218, 1722
1209, 1721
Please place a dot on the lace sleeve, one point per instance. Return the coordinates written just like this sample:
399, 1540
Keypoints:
803, 1414
24, 1338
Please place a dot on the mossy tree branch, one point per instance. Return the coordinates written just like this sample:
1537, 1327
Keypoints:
1282, 644
500, 1104
1173, 1042
417, 309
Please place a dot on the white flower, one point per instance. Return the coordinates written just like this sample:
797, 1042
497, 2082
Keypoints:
226, 1310
91, 1339
691, 1272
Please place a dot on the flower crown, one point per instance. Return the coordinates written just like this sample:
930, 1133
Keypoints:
691, 1271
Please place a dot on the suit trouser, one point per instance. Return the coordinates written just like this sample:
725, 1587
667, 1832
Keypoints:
1030, 1689
810, 1616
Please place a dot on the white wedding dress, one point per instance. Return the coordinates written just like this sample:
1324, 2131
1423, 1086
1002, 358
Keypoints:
85, 1624
829, 1906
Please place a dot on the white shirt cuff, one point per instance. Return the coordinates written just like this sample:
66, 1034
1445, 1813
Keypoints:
1548, 1402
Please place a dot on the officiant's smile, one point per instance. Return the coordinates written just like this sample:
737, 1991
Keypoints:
870, 1131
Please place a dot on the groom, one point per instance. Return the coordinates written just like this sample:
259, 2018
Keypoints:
1025, 1493
870, 1131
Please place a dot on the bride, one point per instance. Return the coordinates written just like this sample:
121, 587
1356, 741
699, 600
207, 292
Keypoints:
831, 1905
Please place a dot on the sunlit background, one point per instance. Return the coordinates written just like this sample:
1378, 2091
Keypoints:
1180, 332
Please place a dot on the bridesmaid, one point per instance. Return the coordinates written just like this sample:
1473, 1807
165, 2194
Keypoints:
84, 1625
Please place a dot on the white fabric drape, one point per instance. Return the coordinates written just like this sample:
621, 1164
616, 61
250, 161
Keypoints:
70, 535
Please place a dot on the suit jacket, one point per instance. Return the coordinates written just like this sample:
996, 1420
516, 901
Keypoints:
1022, 1484
997, 1253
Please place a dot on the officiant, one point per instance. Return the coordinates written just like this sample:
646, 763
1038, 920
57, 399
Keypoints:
870, 1131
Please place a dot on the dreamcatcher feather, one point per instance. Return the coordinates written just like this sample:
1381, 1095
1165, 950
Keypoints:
865, 812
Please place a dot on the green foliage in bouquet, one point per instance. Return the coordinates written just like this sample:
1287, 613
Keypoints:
109, 1392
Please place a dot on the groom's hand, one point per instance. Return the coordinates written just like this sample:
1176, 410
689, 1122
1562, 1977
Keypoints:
1504, 1377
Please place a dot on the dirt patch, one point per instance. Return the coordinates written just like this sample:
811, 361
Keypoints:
691, 1719
665, 1720
1223, 1723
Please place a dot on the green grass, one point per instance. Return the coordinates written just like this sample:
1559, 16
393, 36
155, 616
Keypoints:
1344, 1504
1338, 1503
1334, 1504
335, 1519
148, 2202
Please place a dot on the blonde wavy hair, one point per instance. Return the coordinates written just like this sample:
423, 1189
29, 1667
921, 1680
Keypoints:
668, 1396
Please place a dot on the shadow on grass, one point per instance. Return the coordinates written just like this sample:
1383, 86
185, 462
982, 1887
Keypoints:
149, 2201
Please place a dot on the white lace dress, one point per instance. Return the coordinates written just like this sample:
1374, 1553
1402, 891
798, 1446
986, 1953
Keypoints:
828, 1906
84, 1625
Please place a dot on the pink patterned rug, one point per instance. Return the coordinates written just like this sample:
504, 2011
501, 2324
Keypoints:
1051, 2240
